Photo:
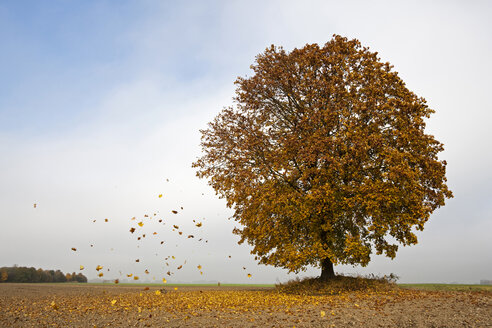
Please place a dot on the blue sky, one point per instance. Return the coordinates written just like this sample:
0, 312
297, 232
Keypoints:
101, 102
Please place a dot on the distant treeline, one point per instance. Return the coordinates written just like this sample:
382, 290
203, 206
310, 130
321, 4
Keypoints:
24, 274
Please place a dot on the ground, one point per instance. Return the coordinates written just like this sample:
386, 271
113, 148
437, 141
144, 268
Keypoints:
82, 305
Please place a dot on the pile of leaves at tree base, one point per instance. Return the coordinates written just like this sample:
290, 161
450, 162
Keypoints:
338, 285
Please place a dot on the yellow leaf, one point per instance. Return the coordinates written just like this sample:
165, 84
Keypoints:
160, 195
164, 280
322, 313
113, 302
158, 292
140, 224
81, 267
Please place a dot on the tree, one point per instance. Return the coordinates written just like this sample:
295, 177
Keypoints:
4, 276
324, 158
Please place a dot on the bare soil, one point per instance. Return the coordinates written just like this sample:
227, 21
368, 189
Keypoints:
64, 305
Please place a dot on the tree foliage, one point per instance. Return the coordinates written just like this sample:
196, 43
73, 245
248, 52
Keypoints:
324, 157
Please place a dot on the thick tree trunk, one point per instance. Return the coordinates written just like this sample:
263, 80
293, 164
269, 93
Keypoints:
327, 271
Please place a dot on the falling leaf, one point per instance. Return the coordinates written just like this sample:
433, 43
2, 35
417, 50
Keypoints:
160, 195
164, 280
322, 313
160, 220
249, 275
133, 218
229, 256
172, 256
93, 220
132, 230
199, 267
168, 273
181, 207
191, 236
35, 205
135, 278
137, 260
143, 235
81, 267
74, 249
201, 272
175, 226
179, 268
129, 275
244, 268
146, 271
113, 302
146, 216
155, 233
162, 242
116, 281
180, 232
101, 274
92, 245
105, 220
199, 224
99, 268
175, 288
140, 224
174, 212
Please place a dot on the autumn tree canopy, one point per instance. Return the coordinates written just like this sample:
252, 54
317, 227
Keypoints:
324, 158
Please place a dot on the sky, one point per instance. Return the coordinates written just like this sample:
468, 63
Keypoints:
101, 103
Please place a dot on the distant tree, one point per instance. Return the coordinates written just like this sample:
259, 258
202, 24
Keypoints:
80, 278
45, 276
324, 157
59, 276
3, 275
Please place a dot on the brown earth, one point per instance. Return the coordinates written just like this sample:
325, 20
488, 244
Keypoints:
65, 305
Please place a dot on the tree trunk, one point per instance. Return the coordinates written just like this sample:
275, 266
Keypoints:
327, 271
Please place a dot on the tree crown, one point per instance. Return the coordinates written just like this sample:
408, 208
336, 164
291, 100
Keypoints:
324, 156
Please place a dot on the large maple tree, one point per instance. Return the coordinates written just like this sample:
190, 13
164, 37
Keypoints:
324, 158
